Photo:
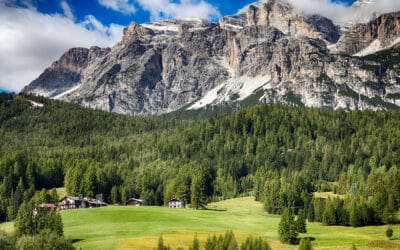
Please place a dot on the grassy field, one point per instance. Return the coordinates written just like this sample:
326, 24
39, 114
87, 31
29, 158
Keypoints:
61, 192
122, 227
326, 195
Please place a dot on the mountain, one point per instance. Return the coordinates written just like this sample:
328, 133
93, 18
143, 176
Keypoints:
268, 52
367, 38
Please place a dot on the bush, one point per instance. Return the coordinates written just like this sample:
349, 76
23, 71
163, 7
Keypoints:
225, 242
46, 240
255, 244
305, 244
389, 232
7, 242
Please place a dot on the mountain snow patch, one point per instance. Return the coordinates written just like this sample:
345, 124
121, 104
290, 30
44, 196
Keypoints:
235, 89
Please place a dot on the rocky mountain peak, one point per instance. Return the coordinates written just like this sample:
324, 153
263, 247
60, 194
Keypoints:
367, 38
73, 59
135, 31
269, 52
285, 17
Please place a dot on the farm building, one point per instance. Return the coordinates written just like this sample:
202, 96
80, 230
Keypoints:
134, 202
72, 202
176, 203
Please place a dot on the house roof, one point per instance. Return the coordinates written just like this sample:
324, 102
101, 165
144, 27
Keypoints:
48, 205
134, 199
75, 198
175, 199
88, 199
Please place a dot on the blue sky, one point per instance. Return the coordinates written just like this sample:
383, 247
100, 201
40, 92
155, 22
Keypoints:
34, 33
82, 8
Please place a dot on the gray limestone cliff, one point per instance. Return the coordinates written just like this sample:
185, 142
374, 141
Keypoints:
269, 52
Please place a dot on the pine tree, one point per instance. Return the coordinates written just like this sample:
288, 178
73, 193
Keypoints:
310, 212
211, 243
161, 245
230, 241
195, 245
301, 224
287, 227
198, 199
24, 223
354, 214
255, 244
114, 195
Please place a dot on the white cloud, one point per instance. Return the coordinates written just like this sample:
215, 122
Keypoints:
67, 10
164, 9
31, 41
122, 6
343, 13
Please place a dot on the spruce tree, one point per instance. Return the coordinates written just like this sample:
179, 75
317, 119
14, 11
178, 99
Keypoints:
198, 199
161, 245
287, 228
301, 224
195, 245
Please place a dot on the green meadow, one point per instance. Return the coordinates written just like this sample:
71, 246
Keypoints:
121, 227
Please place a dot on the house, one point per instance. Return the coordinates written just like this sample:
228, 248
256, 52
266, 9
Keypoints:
72, 202
94, 202
134, 202
176, 203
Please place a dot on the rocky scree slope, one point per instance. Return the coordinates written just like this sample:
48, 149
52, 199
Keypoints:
269, 52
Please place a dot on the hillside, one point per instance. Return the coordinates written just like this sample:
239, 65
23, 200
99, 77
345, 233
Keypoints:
291, 151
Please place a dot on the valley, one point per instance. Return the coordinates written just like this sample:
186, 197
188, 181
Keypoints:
275, 127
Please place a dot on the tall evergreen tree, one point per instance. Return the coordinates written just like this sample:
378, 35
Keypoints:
195, 244
198, 199
287, 227
301, 224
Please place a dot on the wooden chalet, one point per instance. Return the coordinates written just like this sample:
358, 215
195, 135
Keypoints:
176, 203
134, 202
73, 202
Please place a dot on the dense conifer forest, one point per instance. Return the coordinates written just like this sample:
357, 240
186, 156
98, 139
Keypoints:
281, 155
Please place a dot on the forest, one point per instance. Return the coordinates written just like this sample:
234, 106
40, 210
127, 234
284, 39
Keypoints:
279, 154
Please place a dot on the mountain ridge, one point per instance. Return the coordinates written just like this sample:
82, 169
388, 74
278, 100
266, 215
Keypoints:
267, 47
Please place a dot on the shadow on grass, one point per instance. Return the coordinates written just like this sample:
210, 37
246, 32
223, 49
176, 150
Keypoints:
217, 209
76, 240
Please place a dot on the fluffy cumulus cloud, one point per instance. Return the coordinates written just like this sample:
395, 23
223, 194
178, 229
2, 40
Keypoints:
123, 6
31, 41
161, 9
